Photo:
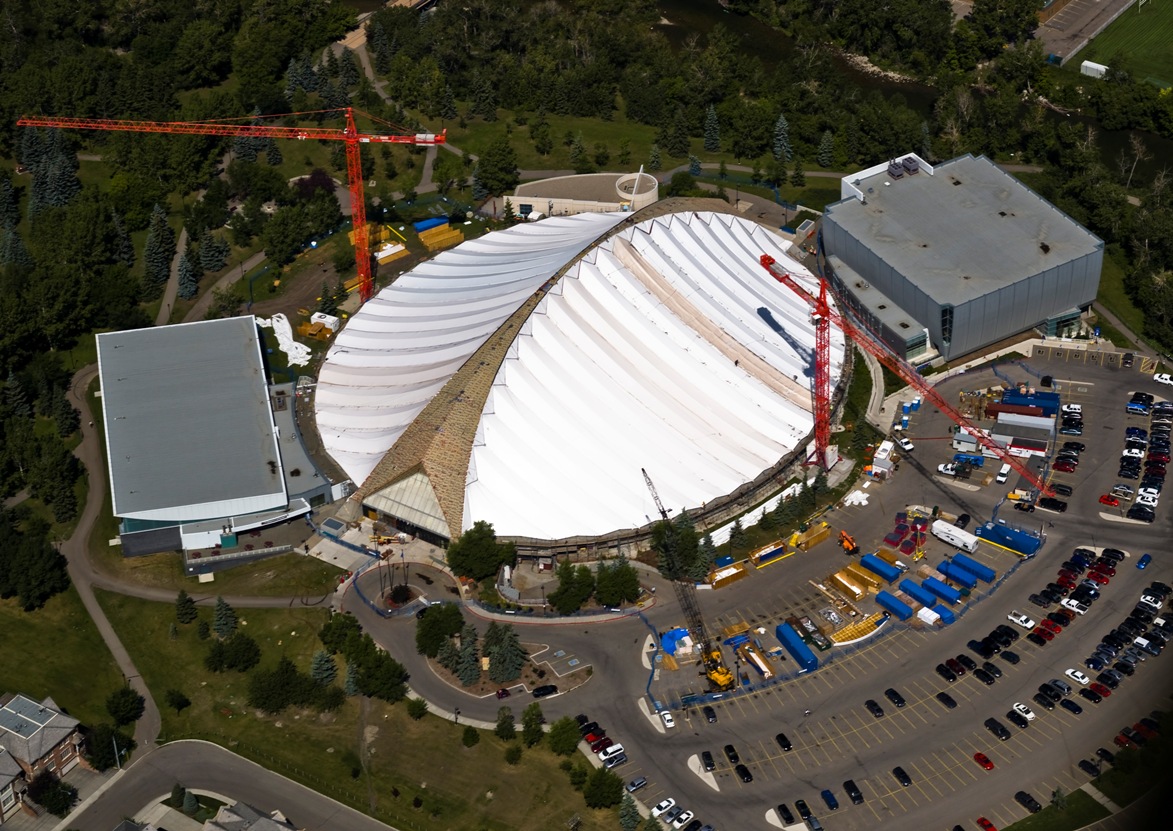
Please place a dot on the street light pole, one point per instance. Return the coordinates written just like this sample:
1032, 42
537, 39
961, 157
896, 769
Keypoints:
117, 760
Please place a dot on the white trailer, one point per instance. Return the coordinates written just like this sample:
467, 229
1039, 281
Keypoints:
954, 536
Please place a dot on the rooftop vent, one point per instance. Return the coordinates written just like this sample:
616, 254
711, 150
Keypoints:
1001, 213
882, 306
955, 181
910, 165
1046, 249
895, 170
965, 277
903, 325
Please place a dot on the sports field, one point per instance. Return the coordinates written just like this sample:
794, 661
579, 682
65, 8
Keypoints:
1143, 36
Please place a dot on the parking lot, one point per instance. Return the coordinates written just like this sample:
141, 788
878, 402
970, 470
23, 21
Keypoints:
840, 739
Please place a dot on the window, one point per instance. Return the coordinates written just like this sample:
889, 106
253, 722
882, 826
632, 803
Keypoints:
7, 797
946, 325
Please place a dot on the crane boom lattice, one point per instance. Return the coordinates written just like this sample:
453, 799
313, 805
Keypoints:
823, 316
348, 134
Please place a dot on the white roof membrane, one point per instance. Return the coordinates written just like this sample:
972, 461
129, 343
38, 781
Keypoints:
607, 378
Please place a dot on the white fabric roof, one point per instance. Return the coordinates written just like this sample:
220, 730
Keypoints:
406, 342
605, 379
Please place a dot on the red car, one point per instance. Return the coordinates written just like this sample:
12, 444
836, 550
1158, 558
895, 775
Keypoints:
1096, 686
1051, 626
1109, 500
1068, 573
1045, 634
1144, 731
601, 744
1154, 469
985, 824
1067, 582
983, 760
1104, 568
1124, 741
591, 738
1063, 467
956, 666
1097, 577
1163, 458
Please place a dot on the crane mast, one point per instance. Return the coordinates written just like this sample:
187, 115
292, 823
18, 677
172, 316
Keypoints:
348, 134
823, 316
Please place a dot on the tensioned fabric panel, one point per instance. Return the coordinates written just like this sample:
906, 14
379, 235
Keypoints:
605, 379
397, 352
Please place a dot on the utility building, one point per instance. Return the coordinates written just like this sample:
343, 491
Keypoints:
949, 259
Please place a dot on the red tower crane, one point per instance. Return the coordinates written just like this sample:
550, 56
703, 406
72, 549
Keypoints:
822, 315
234, 129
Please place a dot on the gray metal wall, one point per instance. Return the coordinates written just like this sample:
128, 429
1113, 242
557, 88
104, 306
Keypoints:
986, 319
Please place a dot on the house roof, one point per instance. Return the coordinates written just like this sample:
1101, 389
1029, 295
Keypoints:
29, 730
244, 817
9, 767
189, 429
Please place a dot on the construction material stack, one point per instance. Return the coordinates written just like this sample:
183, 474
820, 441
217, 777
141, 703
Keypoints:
441, 236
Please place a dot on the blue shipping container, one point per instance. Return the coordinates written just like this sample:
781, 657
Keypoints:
877, 566
1020, 542
958, 575
724, 560
981, 572
894, 605
1047, 401
941, 590
796, 646
428, 224
946, 614
921, 595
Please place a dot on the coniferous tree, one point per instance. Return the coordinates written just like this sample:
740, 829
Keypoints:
506, 656
9, 205
676, 137
322, 668
189, 275
654, 160
348, 72
12, 248
64, 414
190, 804
448, 110
712, 130
16, 397
380, 47
798, 177
468, 668
330, 64
223, 618
160, 247
737, 537
61, 182
124, 248
506, 729
326, 301
185, 607
826, 154
624, 157
782, 150
479, 193
694, 166
209, 252
273, 154
531, 724
350, 685
448, 656
629, 817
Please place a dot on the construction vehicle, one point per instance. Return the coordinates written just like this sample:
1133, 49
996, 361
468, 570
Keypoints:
822, 316
719, 676
847, 543
249, 129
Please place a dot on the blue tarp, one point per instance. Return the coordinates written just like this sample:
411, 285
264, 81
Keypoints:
1021, 542
877, 566
670, 639
921, 595
941, 590
427, 224
724, 560
1047, 401
978, 570
796, 646
736, 640
946, 613
958, 575
893, 604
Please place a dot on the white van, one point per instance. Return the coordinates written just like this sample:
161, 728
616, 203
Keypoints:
1003, 474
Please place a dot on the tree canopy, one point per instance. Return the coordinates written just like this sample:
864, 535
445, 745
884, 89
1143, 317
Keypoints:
477, 554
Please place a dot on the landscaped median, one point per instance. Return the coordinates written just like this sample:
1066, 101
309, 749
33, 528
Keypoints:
370, 754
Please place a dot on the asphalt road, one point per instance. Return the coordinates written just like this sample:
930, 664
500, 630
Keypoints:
207, 767
840, 740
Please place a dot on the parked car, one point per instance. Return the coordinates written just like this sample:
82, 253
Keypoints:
947, 701
1091, 695
1052, 504
1110, 501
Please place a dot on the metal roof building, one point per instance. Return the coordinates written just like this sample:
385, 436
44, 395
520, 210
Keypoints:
965, 250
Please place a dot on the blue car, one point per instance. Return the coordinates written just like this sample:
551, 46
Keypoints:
830, 799
1093, 663
1144, 561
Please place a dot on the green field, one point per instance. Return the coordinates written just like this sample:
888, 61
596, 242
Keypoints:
1138, 41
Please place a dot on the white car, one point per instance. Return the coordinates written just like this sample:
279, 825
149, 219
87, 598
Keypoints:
683, 820
607, 753
1078, 677
1132, 453
1153, 492
666, 716
1152, 601
947, 470
1146, 500
664, 807
1163, 378
1072, 408
1022, 620
1024, 711
905, 444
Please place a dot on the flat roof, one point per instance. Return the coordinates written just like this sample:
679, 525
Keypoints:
885, 310
590, 187
189, 431
961, 230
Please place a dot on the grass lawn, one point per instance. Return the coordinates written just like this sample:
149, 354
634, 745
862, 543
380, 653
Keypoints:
1141, 35
1081, 810
1116, 300
459, 788
63, 641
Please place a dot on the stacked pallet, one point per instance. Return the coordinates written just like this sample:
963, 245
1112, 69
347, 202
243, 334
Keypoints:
390, 252
375, 233
442, 236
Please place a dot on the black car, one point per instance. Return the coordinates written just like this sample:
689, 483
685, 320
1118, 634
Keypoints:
1091, 695
743, 774
589, 727
874, 708
1132, 627
803, 811
901, 776
1059, 620
992, 669
785, 814
1108, 681
946, 673
1010, 657
544, 690
1037, 640
1078, 447
1074, 567
1017, 719
1052, 504
1115, 640
1043, 701
1064, 490
1071, 706
963, 521
1051, 691
947, 700
895, 697
1151, 723
707, 760
1128, 473
1107, 755
731, 754
997, 728
984, 677
853, 792
1027, 801
1142, 614
783, 742
1025, 507
1124, 669
1113, 554
967, 662
1007, 631
1090, 768
710, 714
981, 648
1053, 595
1041, 601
